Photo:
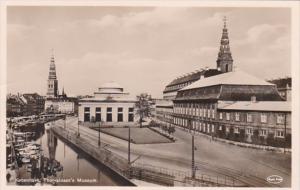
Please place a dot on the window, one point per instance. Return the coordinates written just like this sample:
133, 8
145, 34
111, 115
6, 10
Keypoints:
220, 128
98, 114
221, 115
208, 128
249, 131
227, 116
279, 134
249, 117
236, 130
213, 113
120, 114
109, 114
130, 115
86, 114
204, 112
212, 128
263, 118
237, 116
201, 112
193, 109
280, 119
208, 113
227, 129
263, 132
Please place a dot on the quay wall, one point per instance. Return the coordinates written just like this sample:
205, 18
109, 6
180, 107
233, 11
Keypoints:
117, 164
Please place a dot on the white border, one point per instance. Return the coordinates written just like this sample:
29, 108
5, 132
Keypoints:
294, 5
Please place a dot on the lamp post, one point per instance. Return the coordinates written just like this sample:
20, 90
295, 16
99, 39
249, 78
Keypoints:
65, 122
129, 139
284, 133
193, 159
78, 134
99, 142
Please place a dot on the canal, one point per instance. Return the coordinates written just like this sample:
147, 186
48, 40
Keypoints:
78, 167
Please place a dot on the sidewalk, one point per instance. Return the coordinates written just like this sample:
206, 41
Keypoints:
212, 158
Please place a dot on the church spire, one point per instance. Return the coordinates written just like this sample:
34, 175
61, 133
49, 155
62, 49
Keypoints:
224, 61
52, 88
52, 70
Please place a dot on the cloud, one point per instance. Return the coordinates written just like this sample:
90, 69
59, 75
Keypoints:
141, 48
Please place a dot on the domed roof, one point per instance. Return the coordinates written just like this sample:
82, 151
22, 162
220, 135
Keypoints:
110, 85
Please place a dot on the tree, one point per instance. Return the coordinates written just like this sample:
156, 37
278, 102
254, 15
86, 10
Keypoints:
143, 107
171, 130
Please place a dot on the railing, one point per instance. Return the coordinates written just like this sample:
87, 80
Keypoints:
145, 172
185, 178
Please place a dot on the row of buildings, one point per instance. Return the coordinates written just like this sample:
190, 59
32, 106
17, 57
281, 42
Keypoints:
110, 105
24, 104
229, 104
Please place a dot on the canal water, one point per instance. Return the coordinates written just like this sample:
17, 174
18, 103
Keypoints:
78, 167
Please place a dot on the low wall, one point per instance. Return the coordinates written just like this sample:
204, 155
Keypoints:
114, 162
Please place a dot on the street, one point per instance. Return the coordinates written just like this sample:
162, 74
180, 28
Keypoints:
247, 165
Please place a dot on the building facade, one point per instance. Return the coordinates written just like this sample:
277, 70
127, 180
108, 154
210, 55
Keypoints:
34, 104
224, 64
61, 105
110, 105
219, 105
284, 86
266, 122
14, 106
55, 102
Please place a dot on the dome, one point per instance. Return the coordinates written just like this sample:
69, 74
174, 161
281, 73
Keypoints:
110, 87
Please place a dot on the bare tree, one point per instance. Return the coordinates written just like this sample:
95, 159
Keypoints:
143, 107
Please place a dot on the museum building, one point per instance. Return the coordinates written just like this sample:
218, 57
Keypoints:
110, 105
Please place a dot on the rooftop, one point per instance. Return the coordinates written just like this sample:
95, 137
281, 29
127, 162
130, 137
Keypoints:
256, 106
231, 78
110, 88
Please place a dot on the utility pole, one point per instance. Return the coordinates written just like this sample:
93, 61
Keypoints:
99, 142
129, 139
284, 133
65, 122
129, 163
193, 158
78, 134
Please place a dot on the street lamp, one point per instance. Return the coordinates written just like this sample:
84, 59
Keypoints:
193, 151
78, 134
129, 162
193, 158
65, 121
129, 139
99, 142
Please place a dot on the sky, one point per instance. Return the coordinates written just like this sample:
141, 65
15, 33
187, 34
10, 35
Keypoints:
141, 48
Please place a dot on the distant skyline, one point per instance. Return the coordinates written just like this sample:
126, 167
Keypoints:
141, 48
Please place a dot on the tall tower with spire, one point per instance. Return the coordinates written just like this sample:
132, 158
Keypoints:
52, 87
224, 61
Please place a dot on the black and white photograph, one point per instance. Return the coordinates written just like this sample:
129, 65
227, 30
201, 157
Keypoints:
150, 95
